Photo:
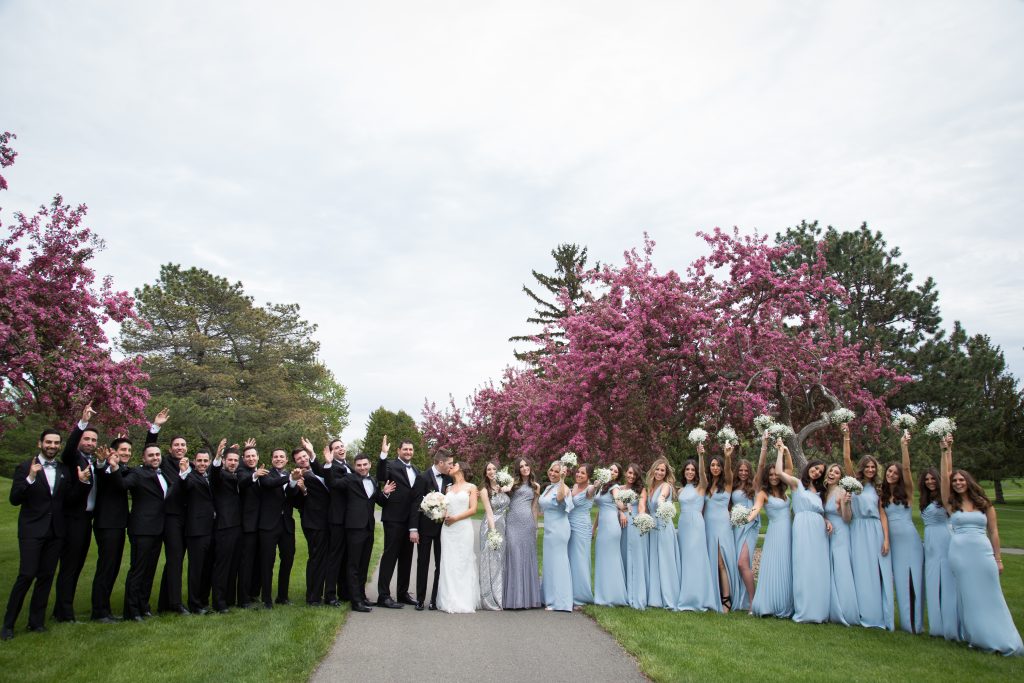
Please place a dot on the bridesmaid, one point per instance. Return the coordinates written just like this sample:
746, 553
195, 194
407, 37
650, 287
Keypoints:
663, 560
696, 589
774, 596
492, 562
609, 571
635, 545
869, 544
522, 579
842, 606
721, 545
976, 561
811, 566
556, 579
904, 542
581, 535
745, 537
939, 584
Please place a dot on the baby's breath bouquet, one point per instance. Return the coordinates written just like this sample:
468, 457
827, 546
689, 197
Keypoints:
841, 416
739, 515
666, 511
697, 436
503, 478
644, 523
602, 475
626, 496
901, 421
727, 435
569, 458
763, 422
780, 431
940, 427
851, 485
494, 540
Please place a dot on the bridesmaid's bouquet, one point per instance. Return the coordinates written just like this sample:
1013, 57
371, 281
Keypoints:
569, 459
780, 431
644, 523
503, 478
727, 435
434, 506
940, 427
851, 485
626, 496
494, 540
901, 421
739, 515
697, 436
841, 416
602, 475
763, 422
666, 511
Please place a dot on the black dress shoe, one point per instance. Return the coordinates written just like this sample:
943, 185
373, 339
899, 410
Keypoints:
64, 620
333, 603
314, 603
361, 607
419, 606
433, 607
147, 614
268, 605
389, 603
137, 618
223, 611
37, 629
182, 610
6, 633
201, 611
406, 600
283, 601
105, 620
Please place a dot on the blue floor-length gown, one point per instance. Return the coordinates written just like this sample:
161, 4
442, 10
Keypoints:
811, 563
720, 539
872, 571
581, 533
774, 594
907, 567
696, 590
663, 557
842, 605
745, 535
634, 551
609, 571
939, 584
985, 620
556, 577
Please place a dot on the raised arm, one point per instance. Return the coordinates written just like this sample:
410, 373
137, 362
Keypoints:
382, 462
945, 471
702, 476
847, 458
729, 448
760, 498
908, 478
759, 472
791, 481
788, 467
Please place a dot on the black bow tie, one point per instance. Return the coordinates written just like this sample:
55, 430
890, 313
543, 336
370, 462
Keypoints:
52, 464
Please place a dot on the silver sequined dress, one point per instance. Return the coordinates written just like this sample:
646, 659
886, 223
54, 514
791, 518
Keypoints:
492, 562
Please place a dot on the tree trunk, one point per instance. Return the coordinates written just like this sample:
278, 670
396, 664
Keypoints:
997, 484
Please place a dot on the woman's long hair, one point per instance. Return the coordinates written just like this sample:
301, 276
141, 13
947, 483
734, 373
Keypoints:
819, 483
715, 484
974, 492
517, 476
670, 476
925, 496
638, 478
778, 490
894, 493
612, 482
737, 485
861, 464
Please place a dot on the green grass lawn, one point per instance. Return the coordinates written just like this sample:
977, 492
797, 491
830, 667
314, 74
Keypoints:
283, 644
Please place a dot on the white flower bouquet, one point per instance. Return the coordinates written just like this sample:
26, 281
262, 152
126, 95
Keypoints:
569, 459
602, 475
841, 416
644, 523
666, 511
851, 485
903, 421
494, 540
739, 515
626, 496
434, 506
503, 478
763, 422
727, 435
780, 431
697, 436
940, 427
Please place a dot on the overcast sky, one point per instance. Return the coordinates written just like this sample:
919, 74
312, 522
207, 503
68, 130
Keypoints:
398, 168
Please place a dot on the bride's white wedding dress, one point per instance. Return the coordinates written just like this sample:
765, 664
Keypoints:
458, 589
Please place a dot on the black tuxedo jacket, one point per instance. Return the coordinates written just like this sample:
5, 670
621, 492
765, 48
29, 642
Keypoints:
425, 483
40, 508
399, 506
249, 493
336, 512
175, 503
148, 502
314, 505
227, 498
358, 507
76, 503
111, 511
275, 501
199, 508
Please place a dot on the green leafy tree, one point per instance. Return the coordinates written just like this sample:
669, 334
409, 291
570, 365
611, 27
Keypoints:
398, 427
567, 282
226, 367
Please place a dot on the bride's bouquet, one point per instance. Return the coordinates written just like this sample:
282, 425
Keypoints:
644, 523
626, 496
602, 475
739, 516
666, 511
494, 540
569, 459
503, 478
851, 485
434, 506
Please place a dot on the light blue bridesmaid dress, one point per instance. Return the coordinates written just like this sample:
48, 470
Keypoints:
939, 584
556, 577
696, 590
842, 605
719, 533
774, 594
634, 553
985, 620
609, 571
907, 567
872, 571
663, 557
743, 535
580, 536
811, 563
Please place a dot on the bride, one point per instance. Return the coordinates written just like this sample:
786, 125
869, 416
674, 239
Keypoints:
458, 589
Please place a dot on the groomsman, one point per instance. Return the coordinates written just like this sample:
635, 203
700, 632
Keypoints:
425, 532
199, 525
313, 501
79, 451
395, 518
277, 529
41, 486
360, 493
174, 531
336, 585
249, 472
227, 502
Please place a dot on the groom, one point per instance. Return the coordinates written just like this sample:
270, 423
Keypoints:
425, 532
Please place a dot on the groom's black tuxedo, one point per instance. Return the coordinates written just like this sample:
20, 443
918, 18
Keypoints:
429, 531
395, 517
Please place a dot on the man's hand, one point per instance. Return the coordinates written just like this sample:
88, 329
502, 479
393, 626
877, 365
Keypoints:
87, 412
328, 456
296, 474
414, 536
183, 464
308, 446
261, 471
162, 417
33, 470
221, 446
385, 447
84, 475
250, 443
389, 488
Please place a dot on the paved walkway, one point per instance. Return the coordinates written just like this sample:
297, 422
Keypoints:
528, 645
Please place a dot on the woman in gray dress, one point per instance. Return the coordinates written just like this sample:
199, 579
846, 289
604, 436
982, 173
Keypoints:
492, 562
522, 578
